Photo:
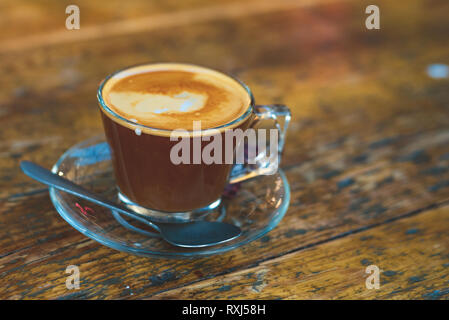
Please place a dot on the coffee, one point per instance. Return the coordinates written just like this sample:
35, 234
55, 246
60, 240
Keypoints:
173, 96
140, 108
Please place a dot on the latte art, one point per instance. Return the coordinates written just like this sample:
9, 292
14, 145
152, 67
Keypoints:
143, 105
173, 96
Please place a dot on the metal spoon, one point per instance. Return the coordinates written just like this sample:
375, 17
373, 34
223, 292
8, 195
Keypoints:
190, 235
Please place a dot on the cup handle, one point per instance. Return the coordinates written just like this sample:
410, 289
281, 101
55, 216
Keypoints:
261, 165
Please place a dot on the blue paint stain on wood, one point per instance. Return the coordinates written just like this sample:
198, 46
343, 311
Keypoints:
412, 231
436, 294
390, 273
439, 185
265, 239
112, 281
415, 279
224, 288
345, 183
365, 262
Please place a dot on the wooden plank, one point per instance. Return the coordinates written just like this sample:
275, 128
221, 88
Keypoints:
22, 18
412, 254
368, 140
105, 21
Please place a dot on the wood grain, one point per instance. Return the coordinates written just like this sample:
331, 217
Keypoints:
412, 254
159, 19
368, 142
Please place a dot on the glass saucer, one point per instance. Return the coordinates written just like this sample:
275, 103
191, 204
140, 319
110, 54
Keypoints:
256, 206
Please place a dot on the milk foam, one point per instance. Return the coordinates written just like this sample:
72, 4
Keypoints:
173, 96
139, 104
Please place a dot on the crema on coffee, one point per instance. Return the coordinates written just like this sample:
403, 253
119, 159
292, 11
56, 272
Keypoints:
173, 96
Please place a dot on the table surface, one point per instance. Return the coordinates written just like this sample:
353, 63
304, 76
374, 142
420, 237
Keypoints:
367, 153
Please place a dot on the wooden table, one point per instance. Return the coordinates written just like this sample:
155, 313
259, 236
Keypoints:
367, 154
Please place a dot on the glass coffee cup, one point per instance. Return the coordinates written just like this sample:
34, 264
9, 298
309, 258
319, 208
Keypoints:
149, 110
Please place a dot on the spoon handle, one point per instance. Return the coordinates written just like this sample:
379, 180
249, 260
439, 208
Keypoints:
49, 178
